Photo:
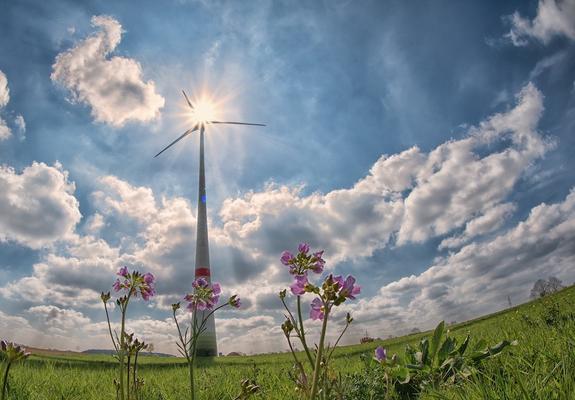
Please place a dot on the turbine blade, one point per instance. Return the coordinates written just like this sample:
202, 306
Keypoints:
235, 123
177, 140
188, 100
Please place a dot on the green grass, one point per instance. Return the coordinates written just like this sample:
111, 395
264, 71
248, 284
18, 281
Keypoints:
541, 366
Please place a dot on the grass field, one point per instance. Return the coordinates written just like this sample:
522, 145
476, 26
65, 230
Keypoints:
541, 366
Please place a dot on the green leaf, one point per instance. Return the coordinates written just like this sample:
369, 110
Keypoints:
463, 346
437, 334
401, 374
446, 348
424, 346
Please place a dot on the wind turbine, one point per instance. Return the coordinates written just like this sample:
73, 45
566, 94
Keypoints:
207, 344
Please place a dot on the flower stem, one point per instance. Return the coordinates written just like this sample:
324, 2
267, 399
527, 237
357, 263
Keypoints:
110, 327
314, 384
302, 333
5, 383
337, 341
122, 345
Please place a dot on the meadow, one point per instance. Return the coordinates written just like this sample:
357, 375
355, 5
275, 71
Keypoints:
540, 366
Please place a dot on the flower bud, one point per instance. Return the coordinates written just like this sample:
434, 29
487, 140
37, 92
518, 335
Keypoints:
348, 318
287, 327
105, 297
235, 301
175, 307
282, 294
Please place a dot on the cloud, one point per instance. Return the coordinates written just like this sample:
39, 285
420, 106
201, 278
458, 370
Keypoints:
457, 184
21, 126
37, 206
111, 85
490, 221
554, 18
58, 320
478, 278
407, 197
5, 131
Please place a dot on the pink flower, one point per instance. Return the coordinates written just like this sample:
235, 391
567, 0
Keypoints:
349, 289
136, 282
316, 312
286, 258
204, 297
303, 248
298, 287
123, 272
319, 262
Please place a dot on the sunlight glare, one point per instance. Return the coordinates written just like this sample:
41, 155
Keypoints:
204, 110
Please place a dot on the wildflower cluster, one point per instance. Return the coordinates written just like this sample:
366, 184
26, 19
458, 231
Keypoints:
303, 262
135, 283
332, 292
131, 284
204, 298
9, 354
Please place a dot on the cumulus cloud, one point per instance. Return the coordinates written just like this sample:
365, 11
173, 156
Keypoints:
478, 278
112, 86
58, 320
490, 221
554, 18
37, 206
5, 131
407, 197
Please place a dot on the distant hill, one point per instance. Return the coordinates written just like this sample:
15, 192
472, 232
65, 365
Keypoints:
110, 352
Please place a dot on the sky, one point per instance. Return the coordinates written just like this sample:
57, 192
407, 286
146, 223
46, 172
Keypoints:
427, 147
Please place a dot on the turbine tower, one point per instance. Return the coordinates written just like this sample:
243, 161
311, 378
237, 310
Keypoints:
207, 344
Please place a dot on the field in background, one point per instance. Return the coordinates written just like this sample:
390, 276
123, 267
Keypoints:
542, 366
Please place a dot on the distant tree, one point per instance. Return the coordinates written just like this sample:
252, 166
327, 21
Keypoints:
415, 330
544, 287
554, 284
150, 348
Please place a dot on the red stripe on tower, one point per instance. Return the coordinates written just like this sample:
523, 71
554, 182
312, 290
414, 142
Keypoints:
202, 272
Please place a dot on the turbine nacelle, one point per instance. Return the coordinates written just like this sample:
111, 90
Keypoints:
201, 125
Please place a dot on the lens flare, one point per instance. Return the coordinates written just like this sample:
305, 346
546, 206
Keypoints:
204, 110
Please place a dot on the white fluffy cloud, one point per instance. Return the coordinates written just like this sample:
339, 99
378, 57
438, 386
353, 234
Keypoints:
5, 131
479, 277
38, 205
410, 196
113, 86
491, 220
554, 18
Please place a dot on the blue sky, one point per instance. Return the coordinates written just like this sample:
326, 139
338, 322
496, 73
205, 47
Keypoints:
426, 146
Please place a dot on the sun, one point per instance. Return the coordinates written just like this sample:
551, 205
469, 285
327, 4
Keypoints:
204, 110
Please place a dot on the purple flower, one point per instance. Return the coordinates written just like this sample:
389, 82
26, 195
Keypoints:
303, 248
348, 288
298, 287
319, 262
380, 354
200, 283
286, 258
205, 297
135, 282
316, 312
